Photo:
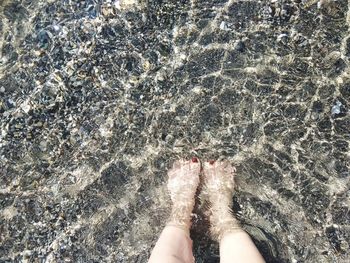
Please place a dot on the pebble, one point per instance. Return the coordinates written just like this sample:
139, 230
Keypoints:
25, 107
38, 124
336, 108
11, 103
43, 145
56, 27
223, 26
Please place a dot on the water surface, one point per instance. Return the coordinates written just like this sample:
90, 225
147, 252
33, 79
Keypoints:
98, 98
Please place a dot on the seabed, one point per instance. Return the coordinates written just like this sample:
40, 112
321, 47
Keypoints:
98, 98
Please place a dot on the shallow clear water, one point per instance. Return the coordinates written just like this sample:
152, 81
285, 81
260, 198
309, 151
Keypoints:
98, 98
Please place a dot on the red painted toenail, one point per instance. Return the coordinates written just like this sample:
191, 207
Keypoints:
211, 162
194, 160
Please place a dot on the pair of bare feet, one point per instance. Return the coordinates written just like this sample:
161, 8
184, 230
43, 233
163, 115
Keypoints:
184, 178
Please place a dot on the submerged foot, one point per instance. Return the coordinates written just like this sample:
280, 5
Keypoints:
219, 185
182, 185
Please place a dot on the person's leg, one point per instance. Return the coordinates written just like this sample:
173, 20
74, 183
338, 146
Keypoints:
238, 247
174, 243
235, 243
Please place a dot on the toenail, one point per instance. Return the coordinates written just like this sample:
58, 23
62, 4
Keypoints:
194, 160
211, 161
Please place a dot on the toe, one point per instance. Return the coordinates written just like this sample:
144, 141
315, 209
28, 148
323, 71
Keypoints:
229, 167
173, 171
195, 167
223, 163
194, 160
209, 164
177, 164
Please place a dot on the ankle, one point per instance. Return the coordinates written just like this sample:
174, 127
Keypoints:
220, 198
222, 216
222, 226
181, 215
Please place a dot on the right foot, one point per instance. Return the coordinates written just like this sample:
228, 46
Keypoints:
219, 184
182, 186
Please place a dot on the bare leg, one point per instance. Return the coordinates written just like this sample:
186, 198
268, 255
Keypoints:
235, 243
174, 243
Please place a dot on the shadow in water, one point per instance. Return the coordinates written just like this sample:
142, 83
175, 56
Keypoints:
206, 250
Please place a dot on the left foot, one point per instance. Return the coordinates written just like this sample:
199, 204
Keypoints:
182, 186
219, 181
